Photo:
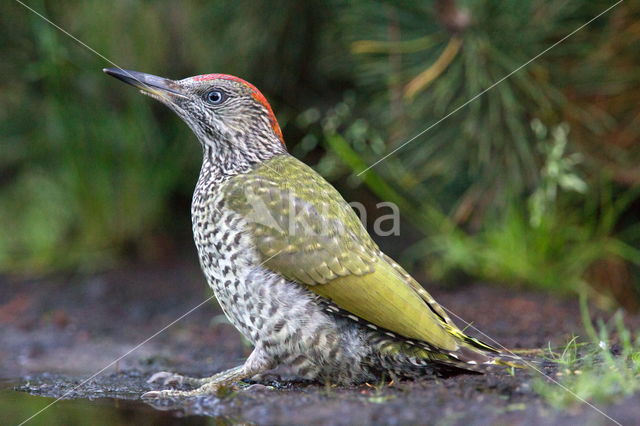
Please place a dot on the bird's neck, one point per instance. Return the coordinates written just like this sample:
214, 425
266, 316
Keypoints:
225, 159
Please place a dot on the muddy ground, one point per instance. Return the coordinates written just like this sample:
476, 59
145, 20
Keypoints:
56, 333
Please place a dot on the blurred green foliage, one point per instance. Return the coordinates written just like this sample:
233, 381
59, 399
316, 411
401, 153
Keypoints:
534, 182
90, 169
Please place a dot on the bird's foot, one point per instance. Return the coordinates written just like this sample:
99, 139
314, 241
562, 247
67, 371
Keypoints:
219, 384
208, 389
168, 378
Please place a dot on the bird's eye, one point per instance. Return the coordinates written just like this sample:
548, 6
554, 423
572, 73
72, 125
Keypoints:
216, 97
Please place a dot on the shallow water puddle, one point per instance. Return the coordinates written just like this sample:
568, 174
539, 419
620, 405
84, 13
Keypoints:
16, 407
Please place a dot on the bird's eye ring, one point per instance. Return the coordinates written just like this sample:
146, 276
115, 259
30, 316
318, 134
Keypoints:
215, 97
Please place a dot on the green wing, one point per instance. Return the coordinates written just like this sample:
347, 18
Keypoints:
308, 233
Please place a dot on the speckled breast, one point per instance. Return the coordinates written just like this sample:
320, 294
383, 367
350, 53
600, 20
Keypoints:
226, 256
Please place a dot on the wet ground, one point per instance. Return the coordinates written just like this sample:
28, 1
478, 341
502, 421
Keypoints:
56, 334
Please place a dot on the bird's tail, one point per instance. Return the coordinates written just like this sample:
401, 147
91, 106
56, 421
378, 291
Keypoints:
471, 356
475, 354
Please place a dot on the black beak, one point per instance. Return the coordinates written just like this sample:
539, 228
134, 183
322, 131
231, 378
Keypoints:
149, 84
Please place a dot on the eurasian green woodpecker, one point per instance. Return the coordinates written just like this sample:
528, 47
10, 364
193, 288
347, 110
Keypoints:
290, 263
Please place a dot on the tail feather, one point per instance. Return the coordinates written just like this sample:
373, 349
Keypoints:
478, 355
475, 355
471, 355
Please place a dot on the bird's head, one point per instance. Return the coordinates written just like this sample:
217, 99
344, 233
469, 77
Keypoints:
226, 113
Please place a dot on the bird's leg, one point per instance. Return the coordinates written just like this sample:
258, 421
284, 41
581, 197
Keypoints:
257, 363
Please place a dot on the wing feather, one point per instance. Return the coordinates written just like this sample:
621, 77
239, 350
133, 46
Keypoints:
308, 233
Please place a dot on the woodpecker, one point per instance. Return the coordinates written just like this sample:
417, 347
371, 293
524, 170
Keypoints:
290, 263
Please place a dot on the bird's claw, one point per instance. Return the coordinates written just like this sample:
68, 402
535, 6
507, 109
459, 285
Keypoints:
165, 394
209, 389
256, 387
152, 395
169, 379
